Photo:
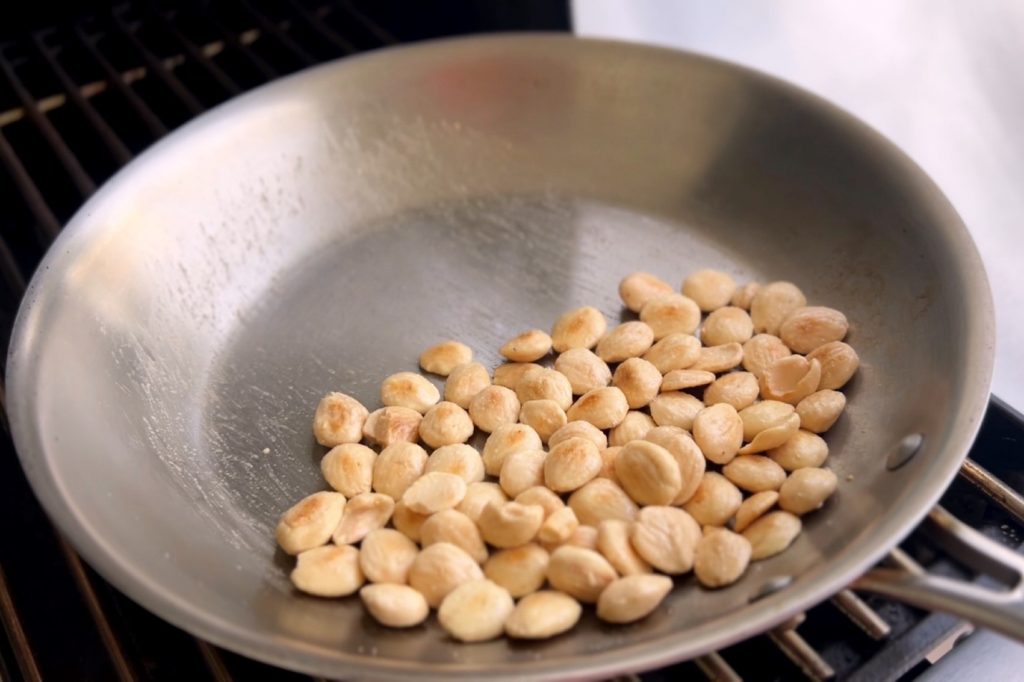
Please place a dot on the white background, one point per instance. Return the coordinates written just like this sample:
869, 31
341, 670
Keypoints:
944, 79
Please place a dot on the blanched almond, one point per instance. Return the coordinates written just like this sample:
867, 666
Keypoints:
634, 427
675, 408
339, 419
773, 436
545, 384
772, 303
803, 449
543, 416
727, 325
820, 410
475, 611
395, 606
558, 527
761, 351
310, 522
806, 490
718, 432
839, 362
579, 328
719, 358
510, 524
771, 534
665, 537
526, 347
744, 295
608, 456
439, 569
348, 468
754, 507
494, 406
455, 528
459, 459
581, 573
790, 379
715, 501
754, 473
638, 288
522, 470
632, 598
710, 289
670, 314
628, 340
511, 373
764, 415
584, 370
445, 424
605, 408
675, 351
543, 614
542, 497
602, 499
408, 522
639, 381
679, 379
386, 555
434, 492
408, 389
445, 356
687, 455
583, 536
614, 544
363, 513
721, 558
739, 389
390, 425
809, 327
397, 466
506, 439
478, 496
328, 571
648, 473
464, 382
570, 464
579, 429
520, 570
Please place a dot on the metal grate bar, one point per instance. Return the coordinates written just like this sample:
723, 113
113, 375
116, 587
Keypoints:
83, 182
16, 633
716, 668
275, 30
10, 272
46, 221
199, 56
322, 29
110, 641
159, 68
214, 662
373, 27
799, 651
116, 81
106, 133
240, 44
861, 614
997, 491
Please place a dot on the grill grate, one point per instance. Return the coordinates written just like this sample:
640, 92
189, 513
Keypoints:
77, 101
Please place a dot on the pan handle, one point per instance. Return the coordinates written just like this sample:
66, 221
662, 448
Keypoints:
1002, 611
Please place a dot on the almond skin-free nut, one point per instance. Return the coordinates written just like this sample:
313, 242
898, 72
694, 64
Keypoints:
628, 340
772, 303
408, 389
709, 289
633, 597
809, 327
526, 347
839, 362
444, 357
542, 615
310, 522
339, 419
584, 370
721, 558
579, 328
806, 490
638, 288
670, 314
605, 408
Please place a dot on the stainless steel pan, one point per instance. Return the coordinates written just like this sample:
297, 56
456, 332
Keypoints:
318, 233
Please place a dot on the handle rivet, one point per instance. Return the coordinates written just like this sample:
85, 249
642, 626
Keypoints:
772, 586
904, 452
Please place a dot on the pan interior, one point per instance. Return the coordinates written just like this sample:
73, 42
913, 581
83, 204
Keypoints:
318, 234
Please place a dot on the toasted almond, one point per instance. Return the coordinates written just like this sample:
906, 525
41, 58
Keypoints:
764, 415
459, 459
744, 295
739, 389
439, 569
510, 524
584, 370
719, 358
803, 449
310, 522
478, 496
526, 347
397, 467
687, 455
634, 427
395, 606
581, 573
727, 325
710, 289
675, 351
772, 303
445, 356
771, 534
386, 555
721, 558
761, 351
542, 497
476, 611
754, 473
605, 408
675, 408
648, 473
328, 571
679, 379
363, 513
464, 382
665, 537
493, 407
632, 598
602, 499
522, 470
520, 570
639, 381
511, 373
543, 614
809, 327
638, 288
506, 439
570, 464
579, 429
445, 424
545, 384
773, 436
390, 425
716, 500
628, 340
455, 528
339, 419
614, 544
408, 389
718, 431
806, 490
820, 410
839, 362
434, 492
670, 314
348, 468
754, 507
790, 379
543, 416
579, 328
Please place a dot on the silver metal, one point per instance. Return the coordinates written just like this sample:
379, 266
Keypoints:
1002, 494
907, 448
318, 233
863, 615
1002, 611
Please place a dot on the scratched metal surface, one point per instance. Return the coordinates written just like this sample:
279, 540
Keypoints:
319, 233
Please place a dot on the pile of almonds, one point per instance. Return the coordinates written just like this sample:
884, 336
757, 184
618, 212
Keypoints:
681, 453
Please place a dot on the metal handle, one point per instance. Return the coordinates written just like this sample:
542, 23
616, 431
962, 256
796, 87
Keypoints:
1002, 611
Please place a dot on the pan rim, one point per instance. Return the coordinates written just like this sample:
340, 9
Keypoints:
296, 654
